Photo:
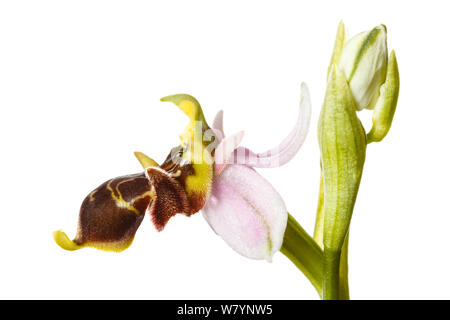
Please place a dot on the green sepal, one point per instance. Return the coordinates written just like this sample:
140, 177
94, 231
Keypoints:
384, 110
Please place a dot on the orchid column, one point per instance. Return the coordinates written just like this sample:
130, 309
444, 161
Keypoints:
360, 76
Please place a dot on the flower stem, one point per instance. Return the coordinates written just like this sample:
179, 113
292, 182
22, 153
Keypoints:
318, 229
318, 237
343, 272
331, 274
304, 252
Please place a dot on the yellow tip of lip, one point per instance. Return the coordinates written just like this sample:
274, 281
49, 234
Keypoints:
145, 160
64, 242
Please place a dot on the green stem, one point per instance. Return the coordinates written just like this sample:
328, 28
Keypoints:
304, 252
318, 237
343, 272
318, 229
331, 274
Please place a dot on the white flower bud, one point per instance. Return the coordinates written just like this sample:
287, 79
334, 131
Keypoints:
364, 62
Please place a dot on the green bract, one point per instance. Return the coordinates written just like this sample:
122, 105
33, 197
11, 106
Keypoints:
387, 103
342, 142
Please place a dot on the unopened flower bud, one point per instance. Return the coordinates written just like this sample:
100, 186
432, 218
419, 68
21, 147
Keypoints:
364, 62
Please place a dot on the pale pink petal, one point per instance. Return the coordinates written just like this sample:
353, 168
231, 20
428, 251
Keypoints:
287, 149
225, 150
216, 133
218, 122
247, 212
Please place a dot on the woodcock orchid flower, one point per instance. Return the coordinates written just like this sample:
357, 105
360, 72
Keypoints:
207, 171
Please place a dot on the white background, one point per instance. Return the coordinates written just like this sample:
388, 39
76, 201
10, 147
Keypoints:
80, 83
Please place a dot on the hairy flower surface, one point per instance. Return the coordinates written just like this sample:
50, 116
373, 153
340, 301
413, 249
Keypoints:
111, 214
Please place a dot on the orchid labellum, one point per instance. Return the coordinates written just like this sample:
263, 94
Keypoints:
206, 171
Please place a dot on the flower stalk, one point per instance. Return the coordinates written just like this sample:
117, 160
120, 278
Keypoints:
304, 252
